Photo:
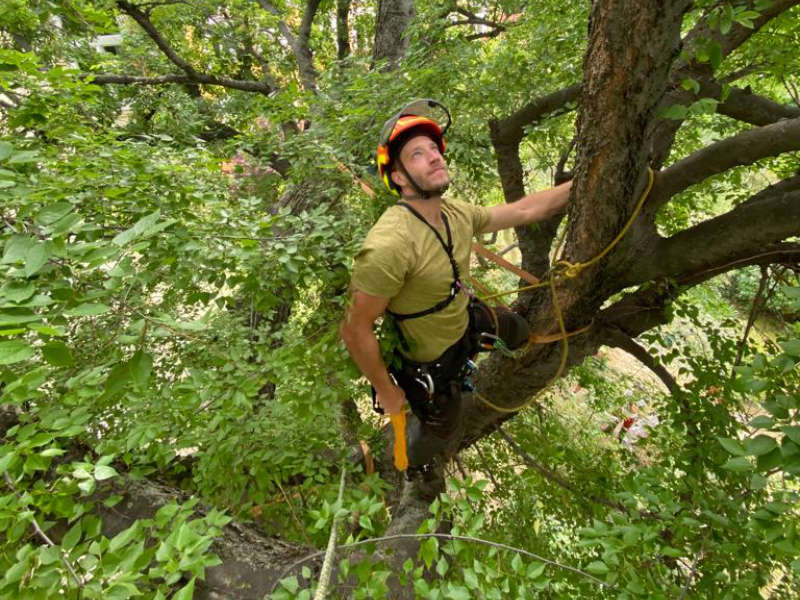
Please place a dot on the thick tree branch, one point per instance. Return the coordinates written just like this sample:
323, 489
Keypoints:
506, 135
299, 43
742, 149
391, 21
145, 23
743, 105
747, 233
663, 131
342, 29
192, 75
303, 51
512, 128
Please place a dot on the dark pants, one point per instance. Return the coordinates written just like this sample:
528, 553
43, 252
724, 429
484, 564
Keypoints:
439, 412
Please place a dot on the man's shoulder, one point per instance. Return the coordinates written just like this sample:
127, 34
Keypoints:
392, 224
459, 206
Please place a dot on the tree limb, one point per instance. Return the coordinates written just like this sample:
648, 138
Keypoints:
145, 23
342, 29
192, 75
512, 128
742, 149
298, 44
748, 234
617, 338
663, 130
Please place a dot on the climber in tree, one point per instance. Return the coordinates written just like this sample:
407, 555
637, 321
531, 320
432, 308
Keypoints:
410, 268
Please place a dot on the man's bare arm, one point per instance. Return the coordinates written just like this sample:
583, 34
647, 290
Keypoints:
534, 207
363, 346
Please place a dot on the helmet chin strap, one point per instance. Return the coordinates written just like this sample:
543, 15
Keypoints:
421, 194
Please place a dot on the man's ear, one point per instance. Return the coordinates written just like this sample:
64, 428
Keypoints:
398, 178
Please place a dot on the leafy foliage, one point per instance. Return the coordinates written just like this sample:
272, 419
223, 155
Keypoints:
174, 264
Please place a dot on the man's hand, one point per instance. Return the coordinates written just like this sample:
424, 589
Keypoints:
391, 399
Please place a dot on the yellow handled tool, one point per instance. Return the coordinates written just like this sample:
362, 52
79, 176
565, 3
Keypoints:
399, 426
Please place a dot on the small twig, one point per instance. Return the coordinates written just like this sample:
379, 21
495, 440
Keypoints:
549, 475
46, 539
294, 514
751, 318
693, 570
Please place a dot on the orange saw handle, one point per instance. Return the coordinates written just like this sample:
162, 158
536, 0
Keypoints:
399, 425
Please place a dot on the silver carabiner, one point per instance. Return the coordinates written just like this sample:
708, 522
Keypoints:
427, 382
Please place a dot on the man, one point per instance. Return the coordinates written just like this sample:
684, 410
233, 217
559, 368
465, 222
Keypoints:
410, 268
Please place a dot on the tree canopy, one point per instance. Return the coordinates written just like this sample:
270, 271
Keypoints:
184, 184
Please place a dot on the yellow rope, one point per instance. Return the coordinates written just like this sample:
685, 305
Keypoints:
566, 270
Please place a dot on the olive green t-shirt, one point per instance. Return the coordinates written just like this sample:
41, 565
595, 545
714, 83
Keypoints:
402, 260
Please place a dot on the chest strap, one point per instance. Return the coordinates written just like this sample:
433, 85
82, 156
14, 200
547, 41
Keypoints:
448, 248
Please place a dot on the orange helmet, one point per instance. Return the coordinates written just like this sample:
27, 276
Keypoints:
418, 115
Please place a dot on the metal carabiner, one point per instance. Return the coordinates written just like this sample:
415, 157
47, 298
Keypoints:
427, 382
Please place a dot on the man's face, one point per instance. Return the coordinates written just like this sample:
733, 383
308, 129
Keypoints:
425, 164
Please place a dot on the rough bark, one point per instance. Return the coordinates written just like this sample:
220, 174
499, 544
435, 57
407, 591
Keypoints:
342, 29
391, 41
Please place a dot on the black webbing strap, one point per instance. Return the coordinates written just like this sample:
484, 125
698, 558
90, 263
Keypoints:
448, 248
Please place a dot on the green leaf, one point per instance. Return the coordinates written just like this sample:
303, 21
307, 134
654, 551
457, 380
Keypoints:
291, 584
792, 432
72, 537
762, 422
760, 445
715, 54
791, 347
597, 567
429, 550
141, 365
535, 570
6, 150
738, 464
732, 446
35, 259
53, 212
102, 472
57, 353
676, 112
186, 592
16, 249
14, 351
86, 310
124, 537
26, 156
138, 229
691, 84
17, 291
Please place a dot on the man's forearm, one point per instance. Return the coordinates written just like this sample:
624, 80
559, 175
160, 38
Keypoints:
542, 205
365, 350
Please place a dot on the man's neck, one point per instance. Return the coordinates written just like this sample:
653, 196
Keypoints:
430, 208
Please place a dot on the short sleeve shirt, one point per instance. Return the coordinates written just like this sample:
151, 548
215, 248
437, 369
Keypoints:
401, 259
